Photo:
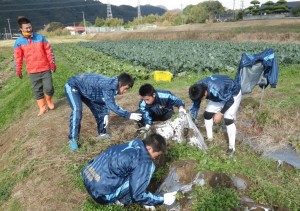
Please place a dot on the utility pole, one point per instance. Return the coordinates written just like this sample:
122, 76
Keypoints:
9, 28
233, 10
5, 33
83, 22
181, 14
139, 11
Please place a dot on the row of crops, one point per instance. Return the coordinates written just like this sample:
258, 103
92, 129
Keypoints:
82, 59
189, 55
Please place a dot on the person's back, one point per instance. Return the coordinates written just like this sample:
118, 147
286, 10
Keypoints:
220, 87
224, 96
94, 86
116, 165
123, 172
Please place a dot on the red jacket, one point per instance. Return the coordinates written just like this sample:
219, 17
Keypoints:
37, 52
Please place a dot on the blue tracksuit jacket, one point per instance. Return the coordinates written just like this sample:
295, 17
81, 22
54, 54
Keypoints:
220, 88
99, 89
123, 173
163, 103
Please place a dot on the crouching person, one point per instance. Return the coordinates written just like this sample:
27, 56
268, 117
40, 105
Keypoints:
98, 93
122, 173
224, 96
157, 105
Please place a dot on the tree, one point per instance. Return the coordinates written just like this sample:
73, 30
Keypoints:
268, 7
282, 2
255, 9
296, 10
255, 2
195, 14
114, 22
281, 7
99, 22
87, 23
53, 26
151, 19
213, 8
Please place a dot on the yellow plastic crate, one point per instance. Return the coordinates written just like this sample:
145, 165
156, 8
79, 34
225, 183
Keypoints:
163, 76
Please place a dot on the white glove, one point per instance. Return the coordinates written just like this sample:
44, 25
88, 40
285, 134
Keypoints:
105, 121
147, 127
182, 112
169, 198
135, 116
152, 208
144, 129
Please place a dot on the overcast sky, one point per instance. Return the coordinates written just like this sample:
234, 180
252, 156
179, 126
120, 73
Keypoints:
178, 4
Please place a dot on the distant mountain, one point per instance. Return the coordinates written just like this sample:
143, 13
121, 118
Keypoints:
68, 12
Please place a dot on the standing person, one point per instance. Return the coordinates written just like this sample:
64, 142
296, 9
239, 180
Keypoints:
224, 96
40, 60
157, 105
122, 173
98, 93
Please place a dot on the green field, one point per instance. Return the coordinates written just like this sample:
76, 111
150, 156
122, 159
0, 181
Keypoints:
38, 172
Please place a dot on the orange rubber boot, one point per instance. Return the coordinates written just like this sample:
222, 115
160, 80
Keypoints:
42, 105
49, 102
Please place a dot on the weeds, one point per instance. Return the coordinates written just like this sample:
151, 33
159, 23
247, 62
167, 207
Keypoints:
219, 198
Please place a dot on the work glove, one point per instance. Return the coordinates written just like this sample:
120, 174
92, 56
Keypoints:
152, 208
53, 67
19, 73
169, 198
105, 121
144, 129
182, 112
135, 116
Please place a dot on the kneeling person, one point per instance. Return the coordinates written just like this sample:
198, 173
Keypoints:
123, 172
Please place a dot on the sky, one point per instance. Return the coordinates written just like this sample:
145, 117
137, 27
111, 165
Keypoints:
180, 4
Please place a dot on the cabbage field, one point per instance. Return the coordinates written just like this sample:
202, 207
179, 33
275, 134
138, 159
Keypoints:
189, 55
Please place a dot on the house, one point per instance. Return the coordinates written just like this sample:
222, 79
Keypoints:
224, 17
75, 30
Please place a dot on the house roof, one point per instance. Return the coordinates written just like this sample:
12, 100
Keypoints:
75, 28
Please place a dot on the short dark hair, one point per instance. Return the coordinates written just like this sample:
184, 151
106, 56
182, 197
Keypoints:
146, 90
125, 79
156, 141
23, 20
197, 91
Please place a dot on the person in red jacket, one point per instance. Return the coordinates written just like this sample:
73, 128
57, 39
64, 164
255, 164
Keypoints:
40, 60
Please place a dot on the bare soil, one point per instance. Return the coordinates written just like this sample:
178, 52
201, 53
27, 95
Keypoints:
40, 144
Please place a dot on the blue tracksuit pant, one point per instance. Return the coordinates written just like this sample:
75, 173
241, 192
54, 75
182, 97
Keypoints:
75, 100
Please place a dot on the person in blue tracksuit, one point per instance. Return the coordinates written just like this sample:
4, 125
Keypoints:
122, 173
224, 96
157, 105
98, 93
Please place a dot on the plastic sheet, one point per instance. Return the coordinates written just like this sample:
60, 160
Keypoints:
181, 129
172, 183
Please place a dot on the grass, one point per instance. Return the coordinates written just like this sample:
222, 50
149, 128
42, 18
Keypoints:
269, 184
